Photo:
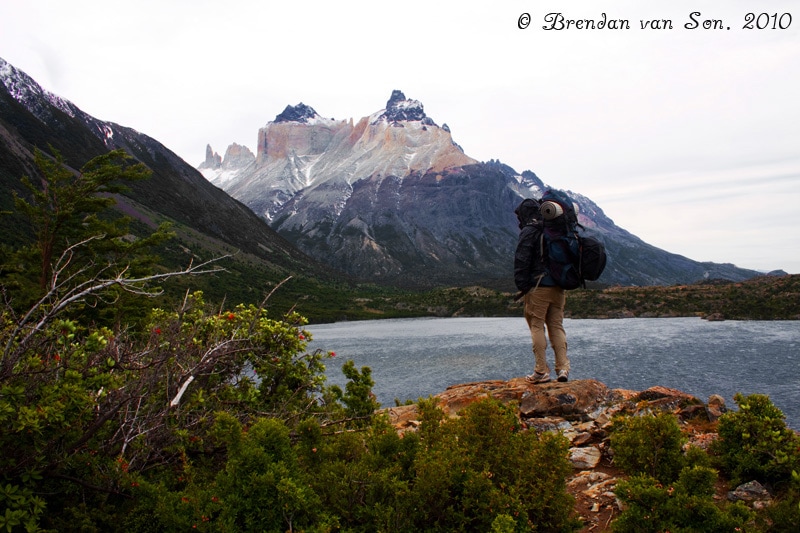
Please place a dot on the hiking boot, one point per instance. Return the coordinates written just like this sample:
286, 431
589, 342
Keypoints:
563, 375
536, 377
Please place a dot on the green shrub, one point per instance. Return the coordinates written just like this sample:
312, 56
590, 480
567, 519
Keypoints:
649, 445
783, 516
503, 524
482, 465
686, 505
754, 443
363, 478
262, 487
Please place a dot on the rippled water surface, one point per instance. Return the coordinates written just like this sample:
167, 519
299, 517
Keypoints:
413, 358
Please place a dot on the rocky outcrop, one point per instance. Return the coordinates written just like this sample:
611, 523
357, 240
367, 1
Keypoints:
394, 141
237, 156
299, 113
752, 493
212, 162
582, 411
398, 109
547, 406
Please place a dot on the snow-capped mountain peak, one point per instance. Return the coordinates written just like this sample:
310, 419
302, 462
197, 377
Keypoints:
399, 108
300, 150
302, 114
30, 94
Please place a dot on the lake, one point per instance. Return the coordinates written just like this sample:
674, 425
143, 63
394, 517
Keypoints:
413, 358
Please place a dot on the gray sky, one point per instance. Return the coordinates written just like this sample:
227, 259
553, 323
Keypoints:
687, 138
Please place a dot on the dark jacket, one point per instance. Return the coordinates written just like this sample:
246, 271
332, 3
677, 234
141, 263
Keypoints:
528, 263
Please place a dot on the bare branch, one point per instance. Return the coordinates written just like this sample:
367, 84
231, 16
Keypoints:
263, 303
177, 399
53, 302
275, 288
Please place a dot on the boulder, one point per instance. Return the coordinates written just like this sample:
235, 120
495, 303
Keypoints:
586, 458
716, 407
457, 397
752, 493
573, 400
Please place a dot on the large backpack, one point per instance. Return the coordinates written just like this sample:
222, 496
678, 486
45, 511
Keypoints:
571, 259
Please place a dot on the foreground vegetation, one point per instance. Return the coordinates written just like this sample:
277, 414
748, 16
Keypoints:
674, 488
196, 414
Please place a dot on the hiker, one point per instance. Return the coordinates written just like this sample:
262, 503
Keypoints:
544, 300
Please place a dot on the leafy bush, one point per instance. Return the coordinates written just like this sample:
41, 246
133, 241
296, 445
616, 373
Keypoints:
784, 515
97, 413
364, 478
476, 468
686, 505
754, 443
86, 408
649, 445
668, 490
480, 472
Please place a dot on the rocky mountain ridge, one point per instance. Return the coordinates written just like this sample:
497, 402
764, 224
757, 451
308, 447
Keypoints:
392, 198
300, 150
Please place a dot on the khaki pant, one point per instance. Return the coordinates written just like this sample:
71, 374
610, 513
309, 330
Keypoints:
544, 307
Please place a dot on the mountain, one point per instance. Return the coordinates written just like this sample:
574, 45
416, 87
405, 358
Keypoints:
393, 199
208, 221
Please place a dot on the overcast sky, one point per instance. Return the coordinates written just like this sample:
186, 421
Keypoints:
687, 138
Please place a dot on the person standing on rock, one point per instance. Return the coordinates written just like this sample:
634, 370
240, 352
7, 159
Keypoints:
544, 300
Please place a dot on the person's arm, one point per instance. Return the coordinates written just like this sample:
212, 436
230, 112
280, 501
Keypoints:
524, 259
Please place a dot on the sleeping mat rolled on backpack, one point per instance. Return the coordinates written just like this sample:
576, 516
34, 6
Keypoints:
570, 258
